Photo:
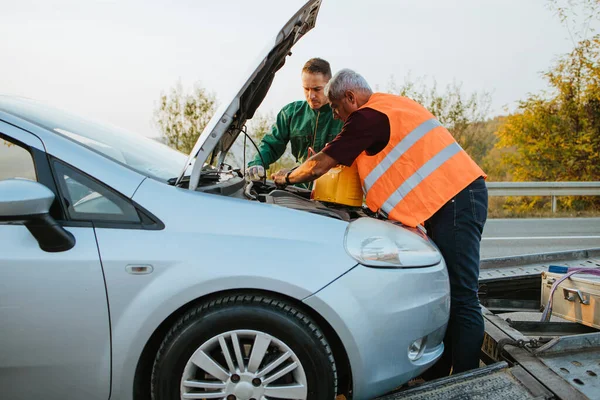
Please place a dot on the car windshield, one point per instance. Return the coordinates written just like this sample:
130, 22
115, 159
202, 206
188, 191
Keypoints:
137, 152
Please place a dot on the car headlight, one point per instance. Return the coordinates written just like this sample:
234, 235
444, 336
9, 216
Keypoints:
378, 243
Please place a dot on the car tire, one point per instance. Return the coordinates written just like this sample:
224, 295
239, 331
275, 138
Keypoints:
245, 322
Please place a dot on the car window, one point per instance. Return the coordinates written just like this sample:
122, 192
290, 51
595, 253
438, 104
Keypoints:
15, 162
88, 200
140, 153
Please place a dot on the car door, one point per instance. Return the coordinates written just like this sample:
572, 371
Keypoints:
54, 320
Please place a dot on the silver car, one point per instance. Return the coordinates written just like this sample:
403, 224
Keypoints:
128, 271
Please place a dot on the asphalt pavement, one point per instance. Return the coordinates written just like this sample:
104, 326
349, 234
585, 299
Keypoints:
506, 237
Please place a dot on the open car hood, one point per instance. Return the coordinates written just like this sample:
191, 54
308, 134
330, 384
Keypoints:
229, 119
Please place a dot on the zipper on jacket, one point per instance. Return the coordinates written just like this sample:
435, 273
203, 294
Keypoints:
310, 184
315, 134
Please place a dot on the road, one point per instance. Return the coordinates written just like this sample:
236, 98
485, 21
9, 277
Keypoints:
506, 237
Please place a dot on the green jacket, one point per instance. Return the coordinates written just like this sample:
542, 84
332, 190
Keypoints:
301, 125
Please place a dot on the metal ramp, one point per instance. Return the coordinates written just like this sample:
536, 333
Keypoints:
576, 359
494, 382
532, 265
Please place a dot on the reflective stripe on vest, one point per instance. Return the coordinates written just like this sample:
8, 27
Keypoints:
420, 176
400, 149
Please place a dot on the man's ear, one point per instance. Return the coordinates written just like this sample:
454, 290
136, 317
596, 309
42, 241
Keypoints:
350, 96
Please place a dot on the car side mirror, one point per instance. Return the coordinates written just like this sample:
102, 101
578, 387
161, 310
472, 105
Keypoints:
28, 202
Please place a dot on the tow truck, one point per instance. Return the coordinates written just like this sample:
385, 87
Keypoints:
523, 357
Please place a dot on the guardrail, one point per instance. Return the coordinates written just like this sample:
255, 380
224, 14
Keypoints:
553, 189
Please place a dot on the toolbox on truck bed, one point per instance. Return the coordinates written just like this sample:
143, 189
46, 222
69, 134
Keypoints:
575, 299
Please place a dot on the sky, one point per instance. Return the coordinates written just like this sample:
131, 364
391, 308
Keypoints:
110, 60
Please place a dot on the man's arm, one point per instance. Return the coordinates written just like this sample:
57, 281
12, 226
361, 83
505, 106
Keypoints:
273, 145
311, 169
365, 129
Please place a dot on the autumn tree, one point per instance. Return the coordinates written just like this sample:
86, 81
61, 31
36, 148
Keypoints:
181, 116
556, 134
492, 162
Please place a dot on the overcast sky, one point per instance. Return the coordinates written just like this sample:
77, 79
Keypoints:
110, 60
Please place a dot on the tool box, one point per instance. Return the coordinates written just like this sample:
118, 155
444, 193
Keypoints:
576, 299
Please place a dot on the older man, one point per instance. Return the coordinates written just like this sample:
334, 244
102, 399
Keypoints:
306, 124
414, 172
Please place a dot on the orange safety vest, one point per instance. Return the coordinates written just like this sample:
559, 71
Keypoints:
421, 168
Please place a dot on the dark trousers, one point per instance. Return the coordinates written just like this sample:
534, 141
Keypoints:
456, 229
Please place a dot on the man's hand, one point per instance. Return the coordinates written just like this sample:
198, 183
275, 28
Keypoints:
255, 173
310, 170
279, 177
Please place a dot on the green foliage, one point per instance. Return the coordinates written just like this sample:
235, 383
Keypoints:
492, 162
555, 135
181, 117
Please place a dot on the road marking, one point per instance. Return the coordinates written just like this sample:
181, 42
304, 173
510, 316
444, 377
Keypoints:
539, 237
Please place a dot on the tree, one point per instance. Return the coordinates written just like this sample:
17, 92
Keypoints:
492, 162
464, 115
578, 17
556, 134
181, 117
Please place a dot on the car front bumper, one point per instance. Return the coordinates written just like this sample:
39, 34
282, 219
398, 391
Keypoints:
378, 313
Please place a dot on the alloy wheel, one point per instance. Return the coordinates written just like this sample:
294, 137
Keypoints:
244, 365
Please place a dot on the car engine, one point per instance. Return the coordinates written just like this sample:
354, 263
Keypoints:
231, 183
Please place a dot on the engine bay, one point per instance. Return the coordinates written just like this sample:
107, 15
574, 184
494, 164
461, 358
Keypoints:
230, 182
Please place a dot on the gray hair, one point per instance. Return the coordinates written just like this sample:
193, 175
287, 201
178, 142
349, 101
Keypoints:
346, 79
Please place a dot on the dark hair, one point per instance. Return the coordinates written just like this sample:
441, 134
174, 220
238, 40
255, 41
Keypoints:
317, 66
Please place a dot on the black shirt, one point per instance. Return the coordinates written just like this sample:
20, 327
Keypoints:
365, 130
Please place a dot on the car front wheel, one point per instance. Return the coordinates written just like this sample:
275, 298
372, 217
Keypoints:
244, 347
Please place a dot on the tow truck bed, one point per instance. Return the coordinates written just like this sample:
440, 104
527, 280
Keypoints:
525, 359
